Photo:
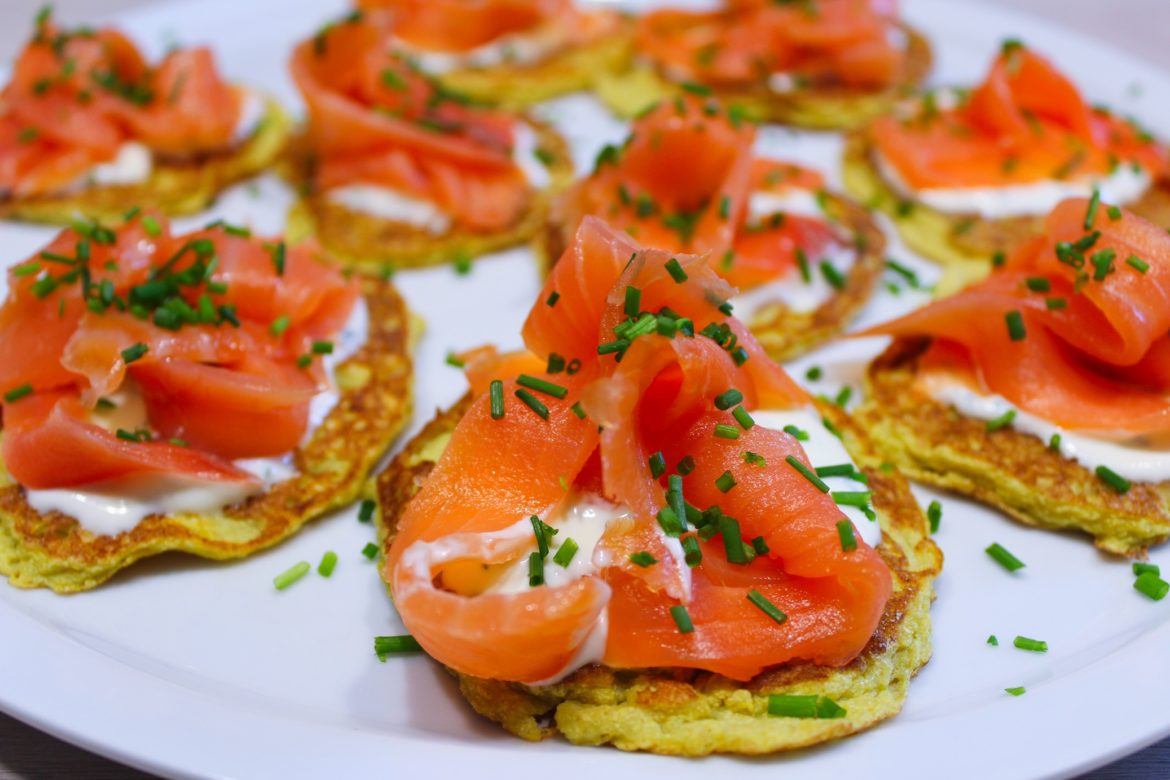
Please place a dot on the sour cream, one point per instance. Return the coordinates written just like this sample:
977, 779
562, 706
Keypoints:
1134, 459
519, 48
1124, 185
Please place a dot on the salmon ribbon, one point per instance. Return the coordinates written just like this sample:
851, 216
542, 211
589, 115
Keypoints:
814, 43
684, 181
458, 26
76, 96
219, 333
1026, 122
375, 119
630, 379
1073, 328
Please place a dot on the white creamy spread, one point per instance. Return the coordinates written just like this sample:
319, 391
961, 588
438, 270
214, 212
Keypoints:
519, 48
1124, 185
116, 506
824, 449
524, 153
792, 290
1133, 459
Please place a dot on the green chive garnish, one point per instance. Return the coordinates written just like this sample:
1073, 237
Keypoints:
796, 433
767, 607
1002, 421
691, 551
552, 298
643, 559
676, 271
682, 619
733, 546
496, 397
565, 553
685, 466
814, 373
542, 386
286, 578
1152, 585
754, 459
807, 473
790, 706
532, 403
728, 399
834, 277
366, 510
576, 409
934, 516
743, 418
322, 348
1015, 325
1139, 265
1054, 442
657, 465
1031, 645
1140, 568
1038, 283
279, 325
845, 533
393, 645
836, 470
327, 564
370, 550
16, 393
802, 263
1091, 211
1113, 479
1004, 558
993, 640
633, 301
726, 431
535, 570
1018, 691
725, 482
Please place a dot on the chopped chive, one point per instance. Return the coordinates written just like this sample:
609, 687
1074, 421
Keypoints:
541, 538
370, 550
366, 510
532, 403
760, 545
724, 207
278, 258
755, 459
1017, 691
1140, 568
576, 409
552, 298
993, 640
676, 271
1002, 421
767, 607
1000, 555
1038, 283
934, 516
807, 473
454, 360
322, 348
1091, 211
633, 301
279, 325
802, 263
796, 433
328, 563
26, 270
743, 418
858, 498
1139, 265
657, 465
669, 522
1031, 645
392, 645
691, 551
728, 399
1114, 213
830, 427
1113, 479
682, 619
1015, 325
726, 431
619, 346
288, 577
535, 570
16, 393
1151, 585
845, 533
685, 466
843, 396
998, 259
836, 470
542, 386
834, 277
695, 89
462, 265
304, 361
812, 706
733, 546
814, 373
643, 559
496, 397
676, 499
725, 482
564, 554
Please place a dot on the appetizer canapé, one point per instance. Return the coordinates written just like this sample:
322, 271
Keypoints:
397, 170
642, 532
687, 180
815, 63
506, 52
208, 392
1045, 389
966, 176
88, 126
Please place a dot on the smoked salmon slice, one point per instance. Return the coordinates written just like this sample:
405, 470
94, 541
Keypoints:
684, 181
1071, 329
455, 26
646, 373
77, 96
218, 332
1026, 122
376, 119
839, 43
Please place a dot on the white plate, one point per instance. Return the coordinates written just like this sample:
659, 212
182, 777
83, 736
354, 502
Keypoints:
191, 668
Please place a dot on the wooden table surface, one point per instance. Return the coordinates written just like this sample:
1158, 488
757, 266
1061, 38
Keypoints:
1142, 27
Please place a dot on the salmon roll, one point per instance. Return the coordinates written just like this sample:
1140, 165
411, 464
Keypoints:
803, 259
967, 175
89, 127
510, 53
397, 171
821, 64
674, 548
1042, 390
207, 392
